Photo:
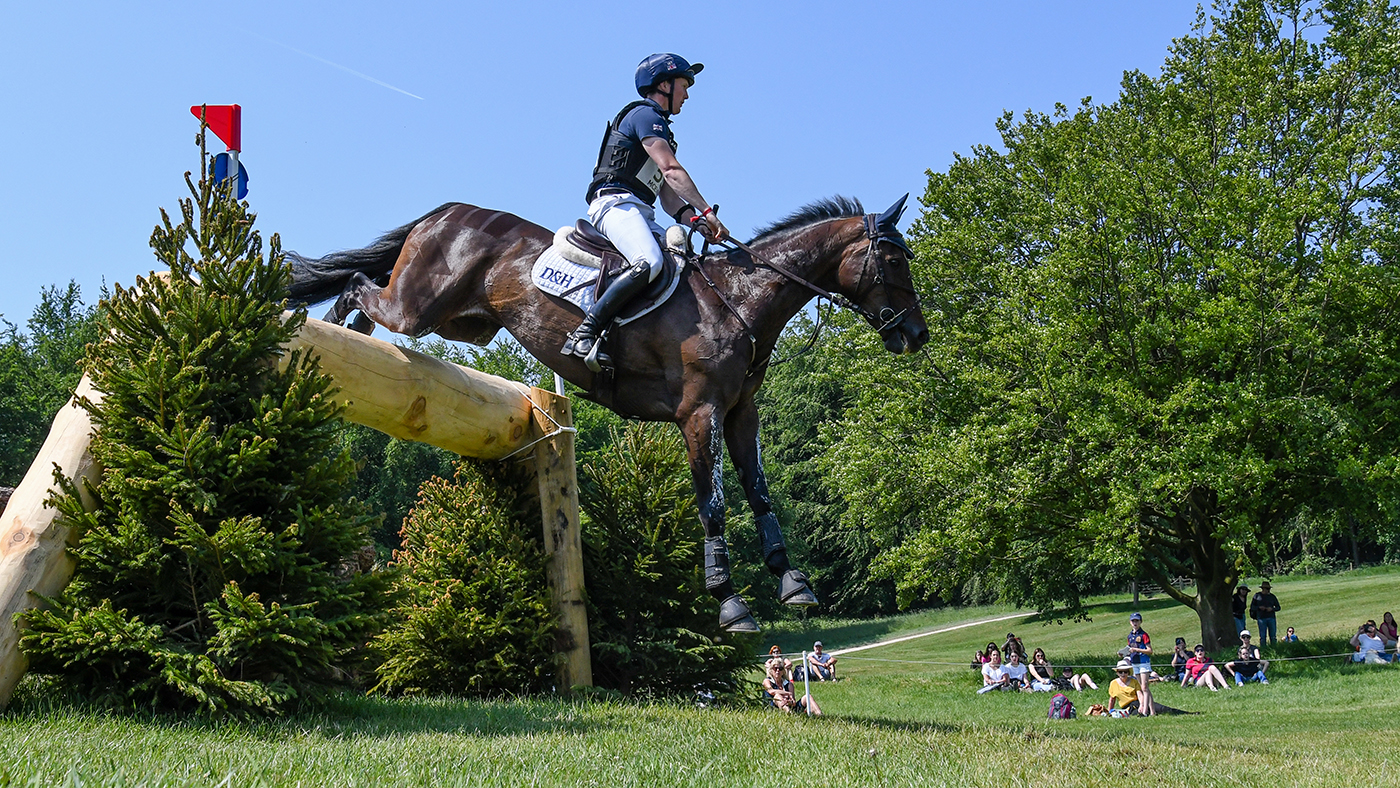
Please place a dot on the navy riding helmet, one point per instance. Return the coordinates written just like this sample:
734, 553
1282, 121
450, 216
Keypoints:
661, 67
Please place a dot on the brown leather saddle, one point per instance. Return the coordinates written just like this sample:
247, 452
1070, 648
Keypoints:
593, 244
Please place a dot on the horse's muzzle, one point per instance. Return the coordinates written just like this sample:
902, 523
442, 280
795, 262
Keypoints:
902, 334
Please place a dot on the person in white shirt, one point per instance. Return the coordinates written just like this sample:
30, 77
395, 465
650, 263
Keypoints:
994, 675
1369, 647
1015, 673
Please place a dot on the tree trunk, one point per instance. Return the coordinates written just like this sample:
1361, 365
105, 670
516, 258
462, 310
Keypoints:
1213, 608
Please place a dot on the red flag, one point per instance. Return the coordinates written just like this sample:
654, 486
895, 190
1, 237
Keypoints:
225, 120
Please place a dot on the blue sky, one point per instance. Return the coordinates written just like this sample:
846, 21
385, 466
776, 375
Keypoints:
798, 101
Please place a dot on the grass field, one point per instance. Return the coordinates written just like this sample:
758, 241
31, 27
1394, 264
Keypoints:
892, 720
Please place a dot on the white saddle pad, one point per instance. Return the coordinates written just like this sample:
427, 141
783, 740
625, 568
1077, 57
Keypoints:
565, 278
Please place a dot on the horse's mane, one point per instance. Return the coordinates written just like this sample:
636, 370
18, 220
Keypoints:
837, 207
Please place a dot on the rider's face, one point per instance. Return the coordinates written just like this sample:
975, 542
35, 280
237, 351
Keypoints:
680, 91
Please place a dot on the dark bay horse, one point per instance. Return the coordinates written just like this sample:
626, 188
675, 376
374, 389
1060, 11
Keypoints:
463, 273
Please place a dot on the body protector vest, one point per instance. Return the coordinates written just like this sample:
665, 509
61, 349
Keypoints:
623, 163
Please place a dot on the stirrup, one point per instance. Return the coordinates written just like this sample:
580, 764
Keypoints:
793, 590
734, 615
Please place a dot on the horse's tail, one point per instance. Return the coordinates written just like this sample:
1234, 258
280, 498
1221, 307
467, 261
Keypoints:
322, 278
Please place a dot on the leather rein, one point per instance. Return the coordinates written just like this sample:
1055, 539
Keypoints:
887, 318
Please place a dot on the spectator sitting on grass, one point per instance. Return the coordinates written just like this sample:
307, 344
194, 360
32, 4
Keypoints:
979, 658
821, 665
1202, 672
993, 675
991, 647
1387, 630
1012, 644
775, 656
1043, 678
1247, 666
1369, 647
1015, 672
1290, 636
1126, 692
780, 691
1179, 657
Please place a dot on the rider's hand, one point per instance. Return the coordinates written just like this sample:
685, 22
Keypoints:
715, 229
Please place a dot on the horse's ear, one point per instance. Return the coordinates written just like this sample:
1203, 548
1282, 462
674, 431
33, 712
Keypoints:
890, 218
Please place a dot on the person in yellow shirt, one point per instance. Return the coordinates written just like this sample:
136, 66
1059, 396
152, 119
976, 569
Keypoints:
1125, 692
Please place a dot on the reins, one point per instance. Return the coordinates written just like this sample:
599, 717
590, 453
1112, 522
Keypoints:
887, 318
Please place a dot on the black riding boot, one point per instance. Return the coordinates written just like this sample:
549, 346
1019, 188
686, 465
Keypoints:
584, 339
734, 613
792, 583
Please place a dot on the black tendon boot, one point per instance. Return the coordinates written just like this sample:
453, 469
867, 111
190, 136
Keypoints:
734, 613
584, 341
792, 585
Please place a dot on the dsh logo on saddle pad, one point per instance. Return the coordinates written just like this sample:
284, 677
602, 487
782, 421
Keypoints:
575, 283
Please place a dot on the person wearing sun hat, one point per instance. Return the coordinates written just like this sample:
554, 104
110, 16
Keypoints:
1129, 693
1264, 610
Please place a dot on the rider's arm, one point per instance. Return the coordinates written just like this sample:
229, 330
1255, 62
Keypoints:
680, 183
671, 203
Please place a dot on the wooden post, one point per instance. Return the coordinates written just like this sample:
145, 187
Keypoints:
563, 539
33, 548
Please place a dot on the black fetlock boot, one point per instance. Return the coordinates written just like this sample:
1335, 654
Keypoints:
792, 583
734, 615
584, 341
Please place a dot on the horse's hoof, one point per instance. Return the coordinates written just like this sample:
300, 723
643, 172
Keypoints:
734, 616
362, 324
793, 590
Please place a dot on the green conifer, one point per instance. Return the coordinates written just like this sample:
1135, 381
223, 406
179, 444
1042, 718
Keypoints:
476, 617
219, 569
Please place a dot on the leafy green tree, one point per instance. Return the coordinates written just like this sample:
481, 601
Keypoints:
39, 368
654, 630
220, 569
1162, 325
475, 616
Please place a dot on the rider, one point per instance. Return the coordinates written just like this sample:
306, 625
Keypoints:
636, 164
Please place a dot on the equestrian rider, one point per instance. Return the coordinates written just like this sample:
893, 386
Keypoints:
636, 165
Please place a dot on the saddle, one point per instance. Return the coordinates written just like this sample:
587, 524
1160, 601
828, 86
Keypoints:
582, 244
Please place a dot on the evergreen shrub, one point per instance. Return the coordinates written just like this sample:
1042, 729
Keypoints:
475, 616
221, 570
653, 627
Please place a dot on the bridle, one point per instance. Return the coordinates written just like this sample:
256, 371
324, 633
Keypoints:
885, 320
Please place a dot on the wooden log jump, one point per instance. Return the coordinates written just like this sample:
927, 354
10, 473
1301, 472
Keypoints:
397, 391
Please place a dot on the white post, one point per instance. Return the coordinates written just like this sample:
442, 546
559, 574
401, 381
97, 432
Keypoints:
806, 684
558, 384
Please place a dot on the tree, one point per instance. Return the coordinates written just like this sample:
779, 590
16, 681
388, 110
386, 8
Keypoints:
652, 628
220, 569
38, 371
1162, 325
475, 616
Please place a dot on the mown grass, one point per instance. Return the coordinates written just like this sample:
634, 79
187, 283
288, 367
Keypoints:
889, 723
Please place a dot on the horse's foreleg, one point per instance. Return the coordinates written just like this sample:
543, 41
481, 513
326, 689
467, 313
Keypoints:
741, 435
703, 431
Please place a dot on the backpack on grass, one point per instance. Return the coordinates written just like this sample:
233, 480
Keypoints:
1061, 707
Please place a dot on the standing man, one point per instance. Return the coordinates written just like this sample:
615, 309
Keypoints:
636, 166
1238, 603
1264, 610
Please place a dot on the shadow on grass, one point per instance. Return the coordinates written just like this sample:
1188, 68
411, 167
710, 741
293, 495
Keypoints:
347, 715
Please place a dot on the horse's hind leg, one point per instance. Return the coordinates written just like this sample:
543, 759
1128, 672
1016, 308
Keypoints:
702, 431
741, 435
375, 304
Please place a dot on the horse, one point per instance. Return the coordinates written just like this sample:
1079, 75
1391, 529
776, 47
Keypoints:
463, 273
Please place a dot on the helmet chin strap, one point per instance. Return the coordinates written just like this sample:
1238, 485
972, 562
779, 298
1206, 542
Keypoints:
669, 93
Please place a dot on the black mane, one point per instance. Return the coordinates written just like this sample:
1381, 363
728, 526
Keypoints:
837, 207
